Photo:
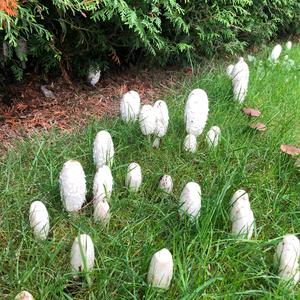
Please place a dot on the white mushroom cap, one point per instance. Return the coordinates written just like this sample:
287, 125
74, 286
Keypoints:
161, 269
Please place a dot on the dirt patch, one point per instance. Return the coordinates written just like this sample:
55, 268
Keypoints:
75, 104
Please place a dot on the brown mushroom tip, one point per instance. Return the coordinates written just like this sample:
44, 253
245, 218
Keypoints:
289, 149
252, 112
258, 126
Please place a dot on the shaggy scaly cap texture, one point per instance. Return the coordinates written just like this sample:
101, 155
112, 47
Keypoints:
103, 150
130, 106
103, 184
240, 79
147, 119
196, 112
190, 143
72, 185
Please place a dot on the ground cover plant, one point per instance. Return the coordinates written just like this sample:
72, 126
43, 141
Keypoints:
208, 260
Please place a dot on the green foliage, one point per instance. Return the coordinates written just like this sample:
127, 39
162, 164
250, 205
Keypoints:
74, 34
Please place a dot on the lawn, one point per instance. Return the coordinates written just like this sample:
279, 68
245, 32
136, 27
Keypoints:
208, 261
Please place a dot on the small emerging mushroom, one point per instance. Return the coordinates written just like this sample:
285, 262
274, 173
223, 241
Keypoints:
252, 112
166, 184
72, 185
190, 143
190, 200
287, 258
213, 136
103, 150
101, 212
196, 112
130, 106
275, 52
288, 45
258, 126
39, 219
82, 254
24, 295
161, 269
134, 177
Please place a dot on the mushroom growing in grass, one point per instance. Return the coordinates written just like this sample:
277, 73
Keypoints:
24, 295
103, 184
134, 177
190, 143
213, 136
39, 220
147, 119
251, 112
72, 185
190, 200
103, 150
289, 149
82, 254
240, 79
288, 45
241, 215
166, 184
258, 126
275, 53
162, 121
101, 212
130, 106
196, 112
287, 258
161, 269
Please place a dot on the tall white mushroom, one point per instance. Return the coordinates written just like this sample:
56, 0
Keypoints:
241, 215
190, 143
161, 269
288, 45
24, 295
130, 106
103, 184
196, 112
147, 119
190, 200
39, 220
82, 254
287, 258
275, 52
134, 177
166, 184
101, 211
213, 136
162, 121
72, 185
103, 151
240, 79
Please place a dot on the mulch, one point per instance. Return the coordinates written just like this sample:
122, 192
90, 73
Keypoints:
75, 104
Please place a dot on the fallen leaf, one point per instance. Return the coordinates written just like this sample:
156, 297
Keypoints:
252, 112
259, 126
289, 149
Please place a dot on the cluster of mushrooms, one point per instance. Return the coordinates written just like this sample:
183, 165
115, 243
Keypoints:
153, 121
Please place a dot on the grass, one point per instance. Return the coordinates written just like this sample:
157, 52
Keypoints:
208, 261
